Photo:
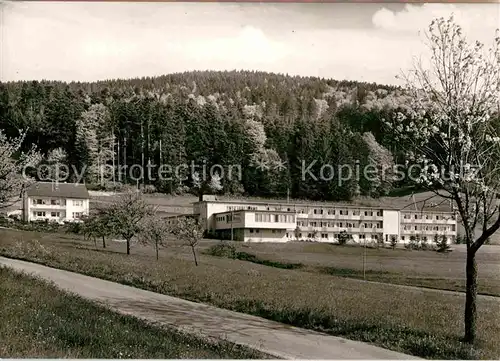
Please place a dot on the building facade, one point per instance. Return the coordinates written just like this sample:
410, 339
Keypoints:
283, 222
55, 202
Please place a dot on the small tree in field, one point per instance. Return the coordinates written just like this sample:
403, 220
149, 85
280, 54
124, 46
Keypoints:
155, 231
190, 231
296, 233
99, 225
127, 214
343, 238
451, 131
442, 244
394, 242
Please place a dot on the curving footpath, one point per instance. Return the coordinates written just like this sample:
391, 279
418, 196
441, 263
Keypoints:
273, 338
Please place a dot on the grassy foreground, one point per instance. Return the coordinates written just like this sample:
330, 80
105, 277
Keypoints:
421, 322
39, 320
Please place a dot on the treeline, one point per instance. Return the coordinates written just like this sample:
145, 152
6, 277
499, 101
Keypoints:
273, 126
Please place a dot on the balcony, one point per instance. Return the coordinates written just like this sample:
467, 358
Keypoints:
47, 206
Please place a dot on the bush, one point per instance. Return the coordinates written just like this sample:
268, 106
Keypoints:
442, 244
414, 243
74, 227
149, 189
343, 238
423, 244
459, 239
222, 249
394, 242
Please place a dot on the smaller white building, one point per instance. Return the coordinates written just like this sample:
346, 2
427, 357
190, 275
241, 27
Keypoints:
55, 201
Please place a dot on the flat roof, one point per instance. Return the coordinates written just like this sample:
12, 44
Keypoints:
325, 204
296, 204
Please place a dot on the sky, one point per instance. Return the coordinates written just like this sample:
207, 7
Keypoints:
77, 41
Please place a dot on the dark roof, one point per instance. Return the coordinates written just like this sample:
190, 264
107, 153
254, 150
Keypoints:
57, 189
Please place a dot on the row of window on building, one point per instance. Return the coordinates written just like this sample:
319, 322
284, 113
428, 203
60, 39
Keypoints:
228, 218
329, 211
429, 228
277, 218
339, 224
335, 235
437, 217
57, 202
56, 214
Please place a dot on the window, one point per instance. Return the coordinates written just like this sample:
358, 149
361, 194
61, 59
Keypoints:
437, 218
77, 215
379, 225
340, 224
379, 213
276, 218
341, 212
251, 230
415, 228
324, 235
402, 238
77, 203
55, 214
39, 201
40, 214
55, 202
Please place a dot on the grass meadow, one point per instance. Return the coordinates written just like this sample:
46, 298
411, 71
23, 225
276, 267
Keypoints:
41, 321
417, 321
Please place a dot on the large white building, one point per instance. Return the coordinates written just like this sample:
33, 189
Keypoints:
282, 222
54, 201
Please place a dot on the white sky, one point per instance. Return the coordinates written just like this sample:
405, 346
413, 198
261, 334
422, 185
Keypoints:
91, 41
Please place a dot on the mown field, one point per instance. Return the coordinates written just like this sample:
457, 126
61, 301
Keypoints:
40, 321
426, 323
445, 271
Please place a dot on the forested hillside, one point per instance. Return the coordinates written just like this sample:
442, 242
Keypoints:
226, 118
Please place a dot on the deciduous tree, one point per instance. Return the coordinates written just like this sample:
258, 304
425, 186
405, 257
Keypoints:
450, 130
190, 231
13, 163
127, 213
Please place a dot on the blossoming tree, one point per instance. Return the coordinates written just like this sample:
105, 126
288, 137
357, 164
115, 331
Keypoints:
451, 131
13, 164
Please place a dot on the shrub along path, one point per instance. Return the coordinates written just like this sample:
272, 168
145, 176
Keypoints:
267, 336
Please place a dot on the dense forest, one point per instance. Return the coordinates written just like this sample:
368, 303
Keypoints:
227, 118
